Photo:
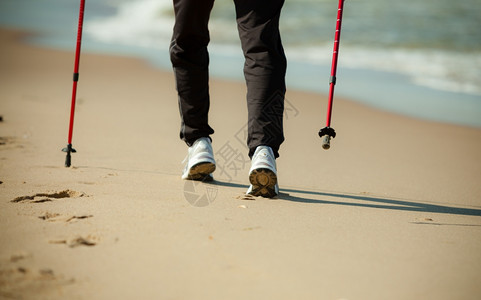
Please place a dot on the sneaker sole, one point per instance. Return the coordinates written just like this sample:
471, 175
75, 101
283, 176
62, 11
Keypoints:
263, 183
201, 171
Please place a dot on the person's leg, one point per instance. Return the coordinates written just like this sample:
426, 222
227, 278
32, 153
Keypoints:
264, 71
190, 61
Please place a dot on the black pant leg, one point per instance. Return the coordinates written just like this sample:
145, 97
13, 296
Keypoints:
190, 61
264, 70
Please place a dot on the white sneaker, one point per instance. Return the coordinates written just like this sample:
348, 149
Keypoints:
200, 161
263, 173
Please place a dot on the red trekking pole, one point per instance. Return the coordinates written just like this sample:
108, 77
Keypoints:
327, 132
69, 148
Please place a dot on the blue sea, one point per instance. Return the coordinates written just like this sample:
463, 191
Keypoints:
417, 58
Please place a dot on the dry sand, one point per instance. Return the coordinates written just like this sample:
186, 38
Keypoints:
392, 211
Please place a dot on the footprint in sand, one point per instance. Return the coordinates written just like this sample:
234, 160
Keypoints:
253, 198
9, 142
88, 240
55, 217
19, 256
76, 241
246, 197
20, 282
46, 197
5, 140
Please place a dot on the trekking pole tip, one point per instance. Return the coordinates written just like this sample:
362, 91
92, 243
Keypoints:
326, 142
325, 134
68, 158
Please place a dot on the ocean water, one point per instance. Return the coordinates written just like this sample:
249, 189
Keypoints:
417, 58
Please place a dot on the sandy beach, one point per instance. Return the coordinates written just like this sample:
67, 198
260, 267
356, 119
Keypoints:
391, 211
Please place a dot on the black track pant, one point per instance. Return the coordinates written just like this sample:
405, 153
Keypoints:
264, 69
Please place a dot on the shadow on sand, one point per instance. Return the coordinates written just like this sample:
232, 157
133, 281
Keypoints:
374, 202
